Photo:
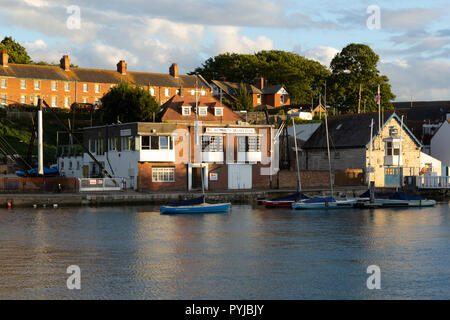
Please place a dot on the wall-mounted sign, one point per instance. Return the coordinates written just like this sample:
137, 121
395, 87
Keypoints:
125, 133
213, 176
231, 130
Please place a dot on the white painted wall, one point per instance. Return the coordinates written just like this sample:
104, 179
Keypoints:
74, 171
440, 144
426, 159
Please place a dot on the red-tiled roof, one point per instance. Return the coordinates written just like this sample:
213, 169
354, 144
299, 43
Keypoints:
172, 110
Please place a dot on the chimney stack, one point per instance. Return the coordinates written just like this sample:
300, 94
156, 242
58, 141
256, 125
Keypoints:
65, 63
173, 70
122, 67
259, 82
4, 58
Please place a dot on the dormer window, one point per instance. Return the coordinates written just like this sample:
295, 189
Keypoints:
186, 111
218, 112
203, 111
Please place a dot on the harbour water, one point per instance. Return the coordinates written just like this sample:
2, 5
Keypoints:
249, 253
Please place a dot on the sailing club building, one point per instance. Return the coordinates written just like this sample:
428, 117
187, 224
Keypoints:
172, 154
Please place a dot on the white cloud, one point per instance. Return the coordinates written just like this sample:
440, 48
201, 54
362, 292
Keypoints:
38, 44
228, 39
37, 3
421, 79
322, 54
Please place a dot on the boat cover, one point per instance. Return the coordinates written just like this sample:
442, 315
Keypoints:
404, 196
320, 200
48, 172
395, 196
190, 202
294, 196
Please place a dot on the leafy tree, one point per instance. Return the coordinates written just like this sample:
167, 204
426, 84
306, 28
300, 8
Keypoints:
17, 53
299, 75
243, 99
354, 81
128, 104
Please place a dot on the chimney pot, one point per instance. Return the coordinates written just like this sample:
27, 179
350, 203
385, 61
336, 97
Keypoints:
65, 63
4, 59
122, 67
259, 82
173, 70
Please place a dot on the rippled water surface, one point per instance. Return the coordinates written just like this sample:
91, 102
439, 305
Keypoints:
249, 253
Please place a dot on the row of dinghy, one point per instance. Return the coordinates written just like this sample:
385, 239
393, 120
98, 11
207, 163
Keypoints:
300, 201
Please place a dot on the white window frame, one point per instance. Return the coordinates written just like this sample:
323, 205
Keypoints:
4, 83
167, 92
184, 108
67, 102
85, 87
85, 100
54, 101
152, 91
163, 174
23, 84
3, 99
97, 88
202, 111
282, 99
37, 84
220, 113
23, 99
54, 85
192, 92
66, 86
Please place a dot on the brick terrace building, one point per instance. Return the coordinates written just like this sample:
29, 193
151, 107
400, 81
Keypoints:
62, 85
170, 156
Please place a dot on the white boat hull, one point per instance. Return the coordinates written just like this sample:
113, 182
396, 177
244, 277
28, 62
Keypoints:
338, 204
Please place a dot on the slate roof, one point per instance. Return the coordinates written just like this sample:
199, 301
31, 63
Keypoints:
272, 89
232, 88
349, 131
423, 111
101, 76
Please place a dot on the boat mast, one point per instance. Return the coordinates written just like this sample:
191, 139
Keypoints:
328, 149
197, 138
299, 185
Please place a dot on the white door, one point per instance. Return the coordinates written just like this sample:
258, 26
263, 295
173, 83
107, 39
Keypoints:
239, 176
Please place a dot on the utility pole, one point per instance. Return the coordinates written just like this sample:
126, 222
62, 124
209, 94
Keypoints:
359, 98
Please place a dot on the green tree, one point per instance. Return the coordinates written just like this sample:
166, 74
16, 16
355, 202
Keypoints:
299, 75
354, 81
17, 53
128, 104
243, 99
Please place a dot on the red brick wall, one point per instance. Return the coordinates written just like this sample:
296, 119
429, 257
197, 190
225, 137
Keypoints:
145, 178
309, 179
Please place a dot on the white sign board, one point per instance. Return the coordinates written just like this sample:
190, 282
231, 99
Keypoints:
231, 130
213, 176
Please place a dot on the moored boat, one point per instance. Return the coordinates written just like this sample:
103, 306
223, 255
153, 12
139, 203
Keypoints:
285, 201
395, 200
196, 205
324, 203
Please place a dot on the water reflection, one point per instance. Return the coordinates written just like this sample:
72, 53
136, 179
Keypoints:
249, 253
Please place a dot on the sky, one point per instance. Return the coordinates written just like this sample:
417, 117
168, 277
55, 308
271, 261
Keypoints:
411, 37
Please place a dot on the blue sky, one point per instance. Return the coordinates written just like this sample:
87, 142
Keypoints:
413, 38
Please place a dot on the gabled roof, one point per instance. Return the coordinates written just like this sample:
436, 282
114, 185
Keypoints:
272, 89
232, 88
29, 71
351, 131
171, 111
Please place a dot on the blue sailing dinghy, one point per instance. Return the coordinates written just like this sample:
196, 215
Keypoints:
196, 205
